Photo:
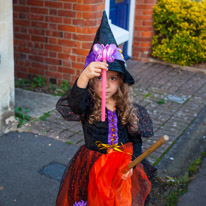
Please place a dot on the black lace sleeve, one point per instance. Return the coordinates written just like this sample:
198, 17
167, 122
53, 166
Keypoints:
72, 104
137, 146
145, 126
143, 129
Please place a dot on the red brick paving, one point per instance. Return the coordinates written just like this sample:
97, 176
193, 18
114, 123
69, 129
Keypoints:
153, 83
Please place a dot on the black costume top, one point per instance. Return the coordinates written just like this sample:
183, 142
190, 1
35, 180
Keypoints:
77, 105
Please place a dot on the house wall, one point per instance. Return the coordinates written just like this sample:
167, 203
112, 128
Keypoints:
53, 38
6, 65
143, 29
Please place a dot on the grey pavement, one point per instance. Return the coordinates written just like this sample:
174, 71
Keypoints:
175, 99
23, 157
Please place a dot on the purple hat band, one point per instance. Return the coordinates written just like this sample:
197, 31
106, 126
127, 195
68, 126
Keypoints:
112, 53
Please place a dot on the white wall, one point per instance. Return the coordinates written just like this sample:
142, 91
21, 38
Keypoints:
6, 65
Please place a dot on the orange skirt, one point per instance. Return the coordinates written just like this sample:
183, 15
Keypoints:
96, 179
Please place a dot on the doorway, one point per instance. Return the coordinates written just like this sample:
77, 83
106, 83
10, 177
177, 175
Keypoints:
119, 16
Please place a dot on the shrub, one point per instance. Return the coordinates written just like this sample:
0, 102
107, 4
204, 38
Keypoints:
180, 31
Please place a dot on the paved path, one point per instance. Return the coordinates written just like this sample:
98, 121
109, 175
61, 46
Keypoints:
155, 83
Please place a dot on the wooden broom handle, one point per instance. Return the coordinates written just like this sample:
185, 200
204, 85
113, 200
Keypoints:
151, 149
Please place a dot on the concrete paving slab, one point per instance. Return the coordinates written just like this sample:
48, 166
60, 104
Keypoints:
36, 103
22, 155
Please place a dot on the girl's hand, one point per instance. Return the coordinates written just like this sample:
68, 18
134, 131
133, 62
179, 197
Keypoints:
94, 69
127, 175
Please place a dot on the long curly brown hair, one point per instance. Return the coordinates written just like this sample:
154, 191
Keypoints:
124, 104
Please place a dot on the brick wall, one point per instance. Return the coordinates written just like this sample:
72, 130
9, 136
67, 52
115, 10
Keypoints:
143, 30
52, 38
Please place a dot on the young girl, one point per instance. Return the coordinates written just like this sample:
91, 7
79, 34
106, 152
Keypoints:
95, 176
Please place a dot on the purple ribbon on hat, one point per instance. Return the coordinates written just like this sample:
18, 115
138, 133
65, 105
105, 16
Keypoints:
112, 53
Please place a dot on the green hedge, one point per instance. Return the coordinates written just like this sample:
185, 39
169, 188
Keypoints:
180, 31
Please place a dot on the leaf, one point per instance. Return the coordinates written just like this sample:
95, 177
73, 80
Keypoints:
162, 101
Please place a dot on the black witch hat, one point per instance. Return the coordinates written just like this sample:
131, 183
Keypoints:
105, 38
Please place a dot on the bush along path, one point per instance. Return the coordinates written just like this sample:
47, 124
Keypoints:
180, 32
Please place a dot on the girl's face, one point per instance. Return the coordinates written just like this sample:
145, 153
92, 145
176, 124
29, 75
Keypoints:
112, 85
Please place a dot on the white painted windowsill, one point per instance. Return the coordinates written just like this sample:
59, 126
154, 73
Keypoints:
121, 35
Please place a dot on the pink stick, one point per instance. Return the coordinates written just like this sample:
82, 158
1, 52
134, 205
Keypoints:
103, 87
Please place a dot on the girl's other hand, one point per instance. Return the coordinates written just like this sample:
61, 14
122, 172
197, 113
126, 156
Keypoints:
127, 175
